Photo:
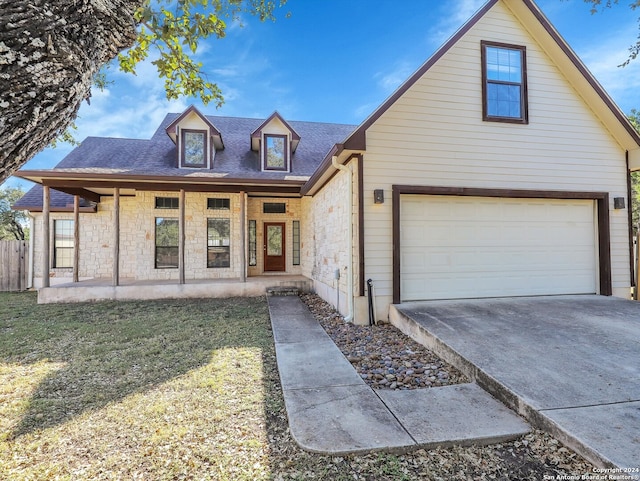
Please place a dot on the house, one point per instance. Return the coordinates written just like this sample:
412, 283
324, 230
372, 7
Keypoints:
499, 168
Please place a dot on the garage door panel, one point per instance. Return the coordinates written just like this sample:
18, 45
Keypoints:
457, 247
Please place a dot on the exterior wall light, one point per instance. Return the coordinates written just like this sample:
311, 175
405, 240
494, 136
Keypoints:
378, 196
618, 202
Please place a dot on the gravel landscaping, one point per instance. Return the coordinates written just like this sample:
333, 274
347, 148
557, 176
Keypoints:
383, 356
189, 390
387, 359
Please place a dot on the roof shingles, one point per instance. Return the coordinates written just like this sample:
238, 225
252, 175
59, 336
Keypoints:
158, 155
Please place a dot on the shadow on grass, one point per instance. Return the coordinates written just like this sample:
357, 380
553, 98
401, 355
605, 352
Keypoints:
111, 350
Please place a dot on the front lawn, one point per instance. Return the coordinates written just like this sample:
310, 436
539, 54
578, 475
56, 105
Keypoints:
185, 389
135, 390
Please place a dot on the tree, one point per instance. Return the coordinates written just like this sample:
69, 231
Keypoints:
52, 51
596, 5
11, 221
634, 117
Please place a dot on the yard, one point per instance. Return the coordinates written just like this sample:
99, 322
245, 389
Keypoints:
183, 389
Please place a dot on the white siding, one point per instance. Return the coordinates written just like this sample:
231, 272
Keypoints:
434, 135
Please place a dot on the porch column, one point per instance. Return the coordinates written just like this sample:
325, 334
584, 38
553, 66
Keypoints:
181, 236
243, 236
76, 237
116, 236
46, 202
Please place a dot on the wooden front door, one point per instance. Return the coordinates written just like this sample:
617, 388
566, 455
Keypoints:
274, 247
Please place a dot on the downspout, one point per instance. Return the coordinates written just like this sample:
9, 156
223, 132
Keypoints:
336, 165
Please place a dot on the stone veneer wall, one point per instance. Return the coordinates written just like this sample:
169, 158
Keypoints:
326, 238
294, 212
137, 239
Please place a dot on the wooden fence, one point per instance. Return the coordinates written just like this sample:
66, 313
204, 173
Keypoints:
13, 265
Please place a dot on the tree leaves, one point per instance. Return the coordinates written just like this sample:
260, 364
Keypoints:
596, 5
11, 221
173, 30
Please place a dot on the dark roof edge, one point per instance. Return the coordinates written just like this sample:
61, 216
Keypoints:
276, 114
584, 71
357, 140
189, 110
337, 149
149, 179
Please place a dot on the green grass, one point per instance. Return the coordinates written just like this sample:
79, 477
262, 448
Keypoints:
156, 390
185, 390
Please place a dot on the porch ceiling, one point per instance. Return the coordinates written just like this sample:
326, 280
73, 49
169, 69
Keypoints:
91, 186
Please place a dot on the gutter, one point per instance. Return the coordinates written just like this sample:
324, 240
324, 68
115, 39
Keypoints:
349, 171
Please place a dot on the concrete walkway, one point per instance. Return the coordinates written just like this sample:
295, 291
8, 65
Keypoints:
568, 364
332, 410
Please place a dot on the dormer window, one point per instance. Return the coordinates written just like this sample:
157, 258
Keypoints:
275, 152
276, 141
194, 148
197, 140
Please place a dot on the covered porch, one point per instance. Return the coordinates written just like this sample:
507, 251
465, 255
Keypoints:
102, 289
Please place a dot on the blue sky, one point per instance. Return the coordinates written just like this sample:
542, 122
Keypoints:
336, 61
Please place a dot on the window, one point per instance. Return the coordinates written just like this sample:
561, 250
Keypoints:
218, 243
166, 243
218, 204
296, 243
253, 253
504, 87
167, 203
274, 208
275, 152
62, 243
194, 148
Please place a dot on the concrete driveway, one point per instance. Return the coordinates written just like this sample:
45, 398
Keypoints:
568, 364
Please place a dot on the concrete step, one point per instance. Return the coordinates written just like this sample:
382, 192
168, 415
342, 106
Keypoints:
283, 291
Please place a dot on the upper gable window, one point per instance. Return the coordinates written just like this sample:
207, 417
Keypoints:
504, 83
275, 152
194, 148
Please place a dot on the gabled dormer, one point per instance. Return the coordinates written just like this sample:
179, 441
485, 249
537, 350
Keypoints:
276, 141
196, 139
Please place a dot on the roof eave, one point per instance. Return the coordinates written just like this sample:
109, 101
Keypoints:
577, 73
357, 140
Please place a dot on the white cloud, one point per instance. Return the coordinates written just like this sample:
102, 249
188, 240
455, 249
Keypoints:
457, 14
603, 60
391, 80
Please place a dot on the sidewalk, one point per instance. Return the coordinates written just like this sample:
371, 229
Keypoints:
331, 410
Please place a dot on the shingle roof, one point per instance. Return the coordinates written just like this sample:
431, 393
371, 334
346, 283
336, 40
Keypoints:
158, 155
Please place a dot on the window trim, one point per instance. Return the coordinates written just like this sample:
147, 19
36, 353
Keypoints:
205, 160
155, 243
296, 242
175, 200
272, 209
253, 243
228, 220
285, 138
213, 200
524, 93
54, 264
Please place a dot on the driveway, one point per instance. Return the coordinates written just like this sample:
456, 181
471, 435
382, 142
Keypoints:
569, 364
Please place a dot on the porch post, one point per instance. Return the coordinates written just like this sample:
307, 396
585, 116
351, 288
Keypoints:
243, 237
116, 236
46, 202
181, 236
76, 237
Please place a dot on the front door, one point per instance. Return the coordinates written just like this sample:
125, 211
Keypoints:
274, 247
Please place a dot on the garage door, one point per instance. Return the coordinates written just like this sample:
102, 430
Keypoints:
466, 247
